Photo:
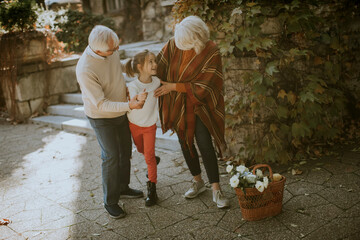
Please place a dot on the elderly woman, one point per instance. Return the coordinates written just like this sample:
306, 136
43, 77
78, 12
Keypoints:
191, 100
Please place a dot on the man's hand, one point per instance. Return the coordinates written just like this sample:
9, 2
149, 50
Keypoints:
142, 96
127, 94
135, 104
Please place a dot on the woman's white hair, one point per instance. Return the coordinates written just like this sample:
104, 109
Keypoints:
191, 33
99, 38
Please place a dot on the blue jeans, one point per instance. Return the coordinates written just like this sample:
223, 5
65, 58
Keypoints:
114, 137
205, 145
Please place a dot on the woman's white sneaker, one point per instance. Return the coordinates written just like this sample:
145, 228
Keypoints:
196, 189
220, 200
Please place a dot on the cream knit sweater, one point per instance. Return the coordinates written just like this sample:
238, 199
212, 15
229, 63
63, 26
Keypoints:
148, 115
102, 85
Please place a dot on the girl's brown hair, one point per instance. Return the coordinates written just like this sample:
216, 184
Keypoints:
139, 58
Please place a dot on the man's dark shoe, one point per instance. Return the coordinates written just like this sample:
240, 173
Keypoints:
131, 193
157, 163
115, 211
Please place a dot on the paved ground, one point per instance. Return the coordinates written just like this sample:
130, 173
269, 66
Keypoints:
50, 188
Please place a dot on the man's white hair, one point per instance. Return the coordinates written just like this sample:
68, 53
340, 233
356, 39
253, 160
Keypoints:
100, 36
191, 33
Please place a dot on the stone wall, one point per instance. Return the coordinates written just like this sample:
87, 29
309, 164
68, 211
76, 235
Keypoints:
35, 84
157, 19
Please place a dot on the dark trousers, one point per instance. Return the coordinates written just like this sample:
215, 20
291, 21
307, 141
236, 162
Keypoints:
114, 137
205, 145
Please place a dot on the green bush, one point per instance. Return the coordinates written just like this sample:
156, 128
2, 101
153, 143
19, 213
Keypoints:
17, 15
299, 93
75, 32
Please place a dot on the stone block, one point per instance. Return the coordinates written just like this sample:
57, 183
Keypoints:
53, 99
150, 11
62, 80
244, 63
271, 26
34, 50
23, 110
30, 86
36, 105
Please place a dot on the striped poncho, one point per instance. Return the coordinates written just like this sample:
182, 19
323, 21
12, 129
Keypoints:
204, 98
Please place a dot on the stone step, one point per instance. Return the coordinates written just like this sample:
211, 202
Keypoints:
69, 110
163, 141
129, 50
72, 98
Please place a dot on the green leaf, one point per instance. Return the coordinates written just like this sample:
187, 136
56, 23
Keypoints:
282, 112
307, 96
299, 130
271, 67
243, 43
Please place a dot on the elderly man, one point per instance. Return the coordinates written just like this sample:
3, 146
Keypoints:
99, 73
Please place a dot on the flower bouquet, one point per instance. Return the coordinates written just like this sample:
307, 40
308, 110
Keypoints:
259, 196
242, 178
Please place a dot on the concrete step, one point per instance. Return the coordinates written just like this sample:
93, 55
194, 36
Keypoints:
129, 50
163, 141
72, 98
69, 110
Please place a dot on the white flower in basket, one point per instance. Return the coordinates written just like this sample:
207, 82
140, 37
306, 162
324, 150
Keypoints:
243, 178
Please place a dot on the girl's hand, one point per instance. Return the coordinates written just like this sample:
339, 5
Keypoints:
142, 96
164, 89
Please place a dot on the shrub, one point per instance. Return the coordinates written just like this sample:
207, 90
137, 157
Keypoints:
17, 15
75, 31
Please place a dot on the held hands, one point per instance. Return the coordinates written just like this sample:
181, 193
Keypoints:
164, 89
142, 96
138, 101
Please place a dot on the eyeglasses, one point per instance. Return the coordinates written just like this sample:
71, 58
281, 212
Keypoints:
113, 50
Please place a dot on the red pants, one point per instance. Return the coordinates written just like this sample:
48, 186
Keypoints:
144, 139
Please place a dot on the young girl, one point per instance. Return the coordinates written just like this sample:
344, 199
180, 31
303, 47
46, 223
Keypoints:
142, 122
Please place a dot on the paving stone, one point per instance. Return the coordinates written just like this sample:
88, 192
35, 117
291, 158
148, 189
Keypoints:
339, 228
302, 188
304, 202
300, 224
212, 232
326, 212
182, 228
162, 217
340, 197
347, 181
8, 233
340, 168
354, 211
232, 220
266, 225
318, 175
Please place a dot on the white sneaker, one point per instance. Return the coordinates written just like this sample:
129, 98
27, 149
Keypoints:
220, 200
196, 189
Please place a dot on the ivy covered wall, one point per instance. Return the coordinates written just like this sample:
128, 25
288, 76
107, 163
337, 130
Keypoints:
291, 71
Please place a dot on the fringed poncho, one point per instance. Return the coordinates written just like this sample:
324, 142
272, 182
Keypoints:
203, 79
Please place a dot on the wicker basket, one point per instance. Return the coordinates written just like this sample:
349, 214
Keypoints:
256, 205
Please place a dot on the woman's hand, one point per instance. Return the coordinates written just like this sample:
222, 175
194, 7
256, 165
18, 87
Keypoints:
164, 89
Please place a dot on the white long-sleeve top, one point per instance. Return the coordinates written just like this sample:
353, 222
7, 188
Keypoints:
102, 85
148, 115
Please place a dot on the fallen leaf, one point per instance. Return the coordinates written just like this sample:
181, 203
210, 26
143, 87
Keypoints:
4, 221
293, 225
296, 172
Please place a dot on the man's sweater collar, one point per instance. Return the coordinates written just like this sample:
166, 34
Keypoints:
89, 51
